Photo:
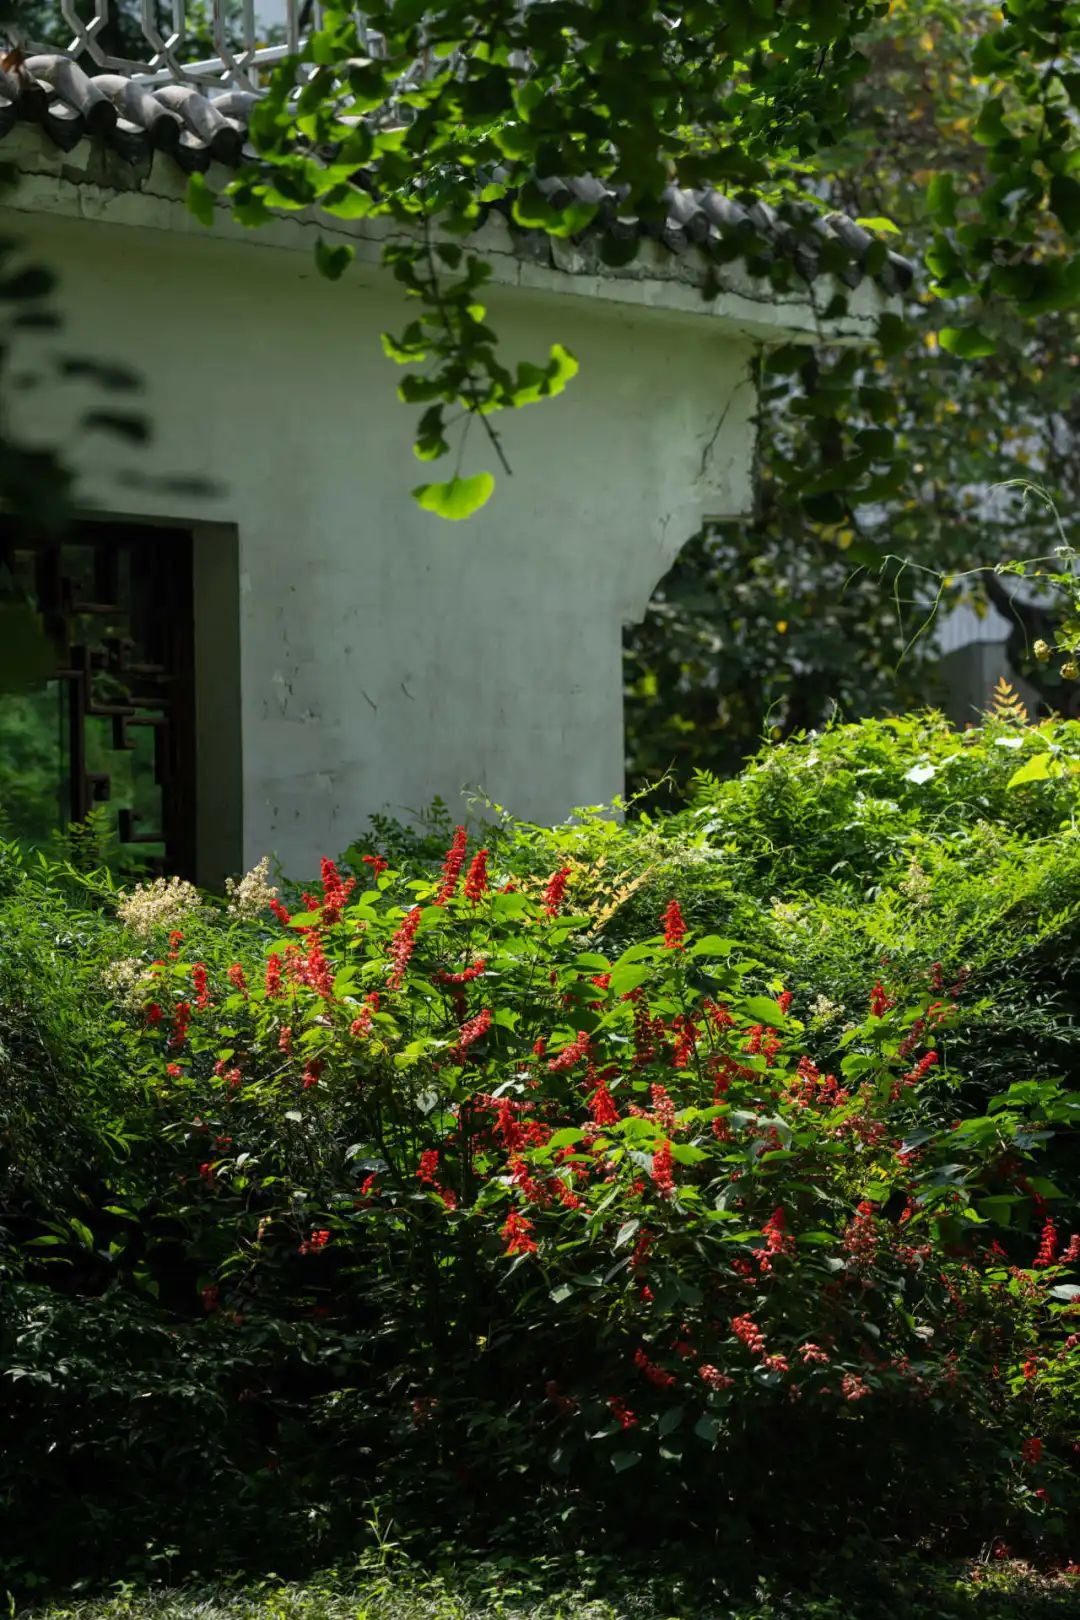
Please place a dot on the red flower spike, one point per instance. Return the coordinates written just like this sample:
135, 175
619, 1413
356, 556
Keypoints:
476, 878
570, 1055
675, 929
200, 986
401, 948
470, 1033
1048, 1245
620, 1410
880, 1001
517, 1234
602, 1107
455, 860
662, 1171
556, 890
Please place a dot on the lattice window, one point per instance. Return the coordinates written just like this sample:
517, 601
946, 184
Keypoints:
114, 724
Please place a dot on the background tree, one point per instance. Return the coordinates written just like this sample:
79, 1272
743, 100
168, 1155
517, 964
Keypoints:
768, 626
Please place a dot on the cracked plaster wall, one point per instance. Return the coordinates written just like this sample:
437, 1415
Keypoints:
385, 656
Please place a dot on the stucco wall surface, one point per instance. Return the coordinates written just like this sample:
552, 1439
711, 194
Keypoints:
386, 656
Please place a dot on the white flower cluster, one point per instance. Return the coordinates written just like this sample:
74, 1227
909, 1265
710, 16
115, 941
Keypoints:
164, 903
124, 980
916, 885
824, 1011
250, 895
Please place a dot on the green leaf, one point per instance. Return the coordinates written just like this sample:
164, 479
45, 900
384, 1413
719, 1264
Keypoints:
713, 945
671, 1419
1036, 769
877, 222
941, 197
763, 1010
622, 1460
200, 199
966, 342
707, 1429
332, 262
457, 498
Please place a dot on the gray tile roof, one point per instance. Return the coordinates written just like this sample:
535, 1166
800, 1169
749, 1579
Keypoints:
193, 130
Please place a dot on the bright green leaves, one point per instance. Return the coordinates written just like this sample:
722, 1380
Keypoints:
332, 262
200, 199
543, 382
457, 498
966, 342
1039, 768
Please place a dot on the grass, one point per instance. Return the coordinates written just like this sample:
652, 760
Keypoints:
389, 1586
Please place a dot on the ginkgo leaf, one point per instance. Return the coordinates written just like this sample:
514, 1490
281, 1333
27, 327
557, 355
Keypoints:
456, 498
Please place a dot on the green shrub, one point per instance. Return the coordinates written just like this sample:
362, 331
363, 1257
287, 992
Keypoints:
642, 1174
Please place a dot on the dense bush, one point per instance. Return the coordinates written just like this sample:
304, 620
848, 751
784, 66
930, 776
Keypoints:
642, 1173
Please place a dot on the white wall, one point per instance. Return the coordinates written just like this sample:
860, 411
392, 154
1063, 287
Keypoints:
385, 655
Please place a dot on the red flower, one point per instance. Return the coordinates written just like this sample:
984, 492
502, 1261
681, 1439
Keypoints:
880, 1002
312, 1070
280, 912
656, 1375
1048, 1245
517, 1234
861, 1236
620, 1410
663, 1107
813, 1355
602, 1106
675, 929
182, 1018
1072, 1253
714, 1377
175, 940
746, 1329
274, 987
1031, 1451
644, 1243
466, 976
455, 860
361, 1026
783, 1001
173, 1070
470, 1033
662, 1172
377, 864
476, 878
336, 891
200, 986
235, 976
402, 946
153, 1013
317, 972
211, 1294
285, 1040
555, 891
921, 1069
571, 1054
318, 1240
427, 1171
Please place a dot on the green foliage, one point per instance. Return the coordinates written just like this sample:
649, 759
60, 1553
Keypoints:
769, 625
394, 1582
328, 1225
